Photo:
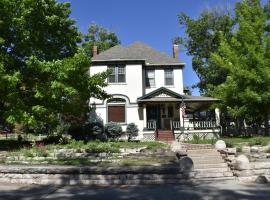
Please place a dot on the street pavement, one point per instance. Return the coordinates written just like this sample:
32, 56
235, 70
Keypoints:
206, 190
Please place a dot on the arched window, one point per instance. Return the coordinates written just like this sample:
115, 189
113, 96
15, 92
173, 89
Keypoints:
116, 111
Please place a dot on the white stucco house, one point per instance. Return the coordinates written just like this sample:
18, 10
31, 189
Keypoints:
147, 89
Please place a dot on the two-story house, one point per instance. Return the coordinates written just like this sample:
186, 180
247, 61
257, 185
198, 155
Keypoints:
147, 89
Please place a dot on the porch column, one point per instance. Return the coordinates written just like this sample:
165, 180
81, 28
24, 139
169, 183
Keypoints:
144, 117
181, 117
217, 114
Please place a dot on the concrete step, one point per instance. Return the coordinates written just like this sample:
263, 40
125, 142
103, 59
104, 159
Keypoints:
207, 158
211, 174
202, 151
214, 165
212, 170
196, 162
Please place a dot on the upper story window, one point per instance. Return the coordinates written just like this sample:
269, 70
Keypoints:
169, 79
118, 74
150, 78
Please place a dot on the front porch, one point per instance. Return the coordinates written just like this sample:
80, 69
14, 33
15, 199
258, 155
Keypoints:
168, 116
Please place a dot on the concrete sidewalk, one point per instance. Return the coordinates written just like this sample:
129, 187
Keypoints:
207, 190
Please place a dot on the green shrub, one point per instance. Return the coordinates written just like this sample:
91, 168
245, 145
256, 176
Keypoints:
132, 130
102, 147
113, 130
96, 129
52, 139
229, 144
77, 132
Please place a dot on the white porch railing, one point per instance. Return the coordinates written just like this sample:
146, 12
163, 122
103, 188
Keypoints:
204, 124
198, 124
176, 124
151, 125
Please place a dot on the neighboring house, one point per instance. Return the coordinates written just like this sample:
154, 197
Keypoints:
147, 89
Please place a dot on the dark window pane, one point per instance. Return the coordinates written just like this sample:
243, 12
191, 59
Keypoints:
121, 78
111, 79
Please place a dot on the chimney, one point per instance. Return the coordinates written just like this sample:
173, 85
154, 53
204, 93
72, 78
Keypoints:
176, 51
95, 49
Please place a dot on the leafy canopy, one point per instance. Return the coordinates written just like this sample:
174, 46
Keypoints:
202, 39
246, 58
99, 36
43, 74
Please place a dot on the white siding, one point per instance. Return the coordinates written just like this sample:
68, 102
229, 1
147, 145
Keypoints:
160, 81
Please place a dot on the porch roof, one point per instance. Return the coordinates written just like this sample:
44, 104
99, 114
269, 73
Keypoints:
166, 95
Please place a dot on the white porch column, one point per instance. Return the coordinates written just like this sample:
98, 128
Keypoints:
217, 114
181, 117
144, 117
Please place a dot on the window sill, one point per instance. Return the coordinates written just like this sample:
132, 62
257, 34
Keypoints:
117, 83
169, 86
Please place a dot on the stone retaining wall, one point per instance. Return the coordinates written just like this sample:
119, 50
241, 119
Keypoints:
91, 175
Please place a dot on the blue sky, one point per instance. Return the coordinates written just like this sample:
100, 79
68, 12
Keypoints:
151, 21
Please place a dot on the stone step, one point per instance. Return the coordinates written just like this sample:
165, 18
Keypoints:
211, 174
214, 165
202, 151
196, 162
212, 170
217, 158
205, 156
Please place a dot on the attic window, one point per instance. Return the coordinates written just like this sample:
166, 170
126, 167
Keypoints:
118, 74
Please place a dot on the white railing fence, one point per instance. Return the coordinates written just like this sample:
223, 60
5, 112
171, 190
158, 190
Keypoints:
151, 125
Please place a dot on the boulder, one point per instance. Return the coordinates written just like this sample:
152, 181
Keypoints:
254, 149
261, 180
242, 162
220, 145
186, 164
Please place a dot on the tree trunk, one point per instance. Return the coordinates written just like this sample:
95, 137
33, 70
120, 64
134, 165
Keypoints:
266, 124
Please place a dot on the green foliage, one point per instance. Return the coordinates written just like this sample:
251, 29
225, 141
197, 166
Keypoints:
43, 74
132, 130
258, 141
96, 128
113, 130
202, 40
100, 147
246, 57
100, 37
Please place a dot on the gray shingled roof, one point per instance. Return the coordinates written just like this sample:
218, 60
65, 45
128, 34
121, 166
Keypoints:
136, 51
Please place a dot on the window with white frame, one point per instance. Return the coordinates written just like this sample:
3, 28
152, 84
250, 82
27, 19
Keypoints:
169, 79
150, 78
118, 74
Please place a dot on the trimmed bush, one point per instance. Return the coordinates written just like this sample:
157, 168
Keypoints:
132, 130
113, 130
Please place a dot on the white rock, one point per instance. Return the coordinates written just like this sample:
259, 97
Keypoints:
242, 162
246, 149
220, 145
254, 149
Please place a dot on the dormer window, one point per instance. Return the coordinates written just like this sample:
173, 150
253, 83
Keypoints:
169, 79
118, 74
150, 78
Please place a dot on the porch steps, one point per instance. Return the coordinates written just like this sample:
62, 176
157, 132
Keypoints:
208, 164
165, 135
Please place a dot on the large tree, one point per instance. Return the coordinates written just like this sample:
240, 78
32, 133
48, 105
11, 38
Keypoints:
42, 72
201, 40
99, 36
246, 58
